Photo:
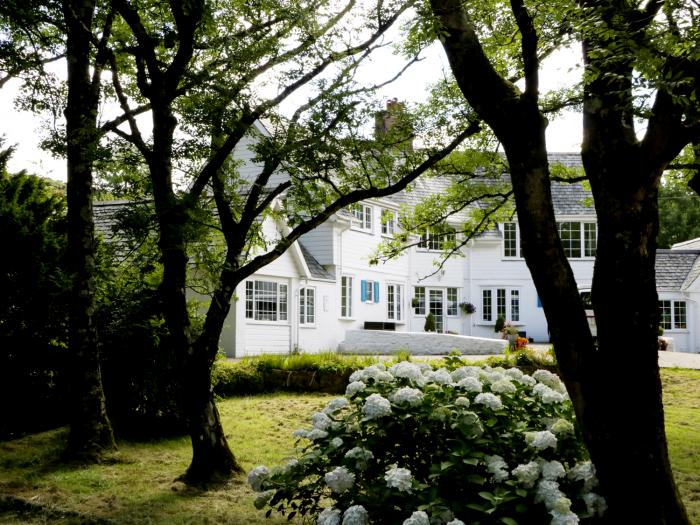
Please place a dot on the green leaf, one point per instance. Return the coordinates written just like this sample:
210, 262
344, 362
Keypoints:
509, 521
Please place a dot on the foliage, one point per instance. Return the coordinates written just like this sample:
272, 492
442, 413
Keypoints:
429, 323
679, 210
500, 323
33, 332
467, 308
509, 329
480, 445
323, 362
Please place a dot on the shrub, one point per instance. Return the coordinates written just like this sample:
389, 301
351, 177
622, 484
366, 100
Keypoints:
414, 445
243, 377
429, 323
500, 323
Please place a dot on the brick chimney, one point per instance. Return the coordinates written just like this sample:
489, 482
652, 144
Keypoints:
392, 119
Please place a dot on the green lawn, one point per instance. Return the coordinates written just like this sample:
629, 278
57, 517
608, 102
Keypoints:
137, 487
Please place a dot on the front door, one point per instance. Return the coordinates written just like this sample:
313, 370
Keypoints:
436, 306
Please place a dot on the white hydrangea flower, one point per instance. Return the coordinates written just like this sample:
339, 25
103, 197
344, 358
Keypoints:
514, 373
562, 427
465, 371
462, 401
424, 367
552, 470
263, 498
329, 516
357, 375
399, 478
257, 477
527, 380
290, 465
374, 372
361, 455
550, 379
316, 433
417, 518
300, 433
497, 467
412, 396
527, 473
548, 492
595, 504
376, 406
355, 515
585, 472
321, 421
490, 400
561, 505
568, 518
381, 366
455, 522
503, 386
440, 376
336, 442
339, 479
354, 387
335, 405
541, 440
546, 394
470, 384
406, 370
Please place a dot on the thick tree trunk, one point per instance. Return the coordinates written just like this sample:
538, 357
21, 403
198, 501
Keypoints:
212, 458
90, 429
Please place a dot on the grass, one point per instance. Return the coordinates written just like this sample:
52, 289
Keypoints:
137, 487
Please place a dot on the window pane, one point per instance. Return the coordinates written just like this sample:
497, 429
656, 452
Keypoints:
302, 306
310, 306
387, 222
679, 317
265, 301
570, 233
501, 303
249, 299
368, 217
283, 302
420, 295
452, 301
665, 314
390, 309
515, 305
486, 306
346, 296
590, 239
436, 308
509, 240
398, 299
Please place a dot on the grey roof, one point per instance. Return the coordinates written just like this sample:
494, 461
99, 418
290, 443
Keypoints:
315, 268
676, 269
105, 215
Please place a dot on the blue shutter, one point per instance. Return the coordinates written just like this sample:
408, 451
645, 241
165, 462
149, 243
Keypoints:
539, 303
376, 291
363, 291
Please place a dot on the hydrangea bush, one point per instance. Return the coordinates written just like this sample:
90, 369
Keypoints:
415, 446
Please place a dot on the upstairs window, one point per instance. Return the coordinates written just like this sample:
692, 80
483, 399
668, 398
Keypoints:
265, 301
579, 239
437, 238
388, 222
511, 240
362, 216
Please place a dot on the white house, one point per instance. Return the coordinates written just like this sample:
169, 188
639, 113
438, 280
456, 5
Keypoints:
324, 285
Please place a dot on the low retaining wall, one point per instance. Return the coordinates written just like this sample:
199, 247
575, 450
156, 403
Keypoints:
417, 343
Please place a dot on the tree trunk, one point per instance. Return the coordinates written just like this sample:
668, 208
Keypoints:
212, 458
90, 429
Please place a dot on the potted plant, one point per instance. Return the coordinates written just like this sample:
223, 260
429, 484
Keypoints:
467, 308
415, 302
429, 323
510, 332
500, 322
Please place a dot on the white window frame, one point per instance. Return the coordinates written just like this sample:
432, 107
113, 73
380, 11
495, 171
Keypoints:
388, 220
346, 290
497, 300
362, 215
394, 302
449, 307
506, 229
585, 245
254, 288
434, 241
676, 320
369, 289
307, 309
420, 309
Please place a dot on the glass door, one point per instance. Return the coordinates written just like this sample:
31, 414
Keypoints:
436, 306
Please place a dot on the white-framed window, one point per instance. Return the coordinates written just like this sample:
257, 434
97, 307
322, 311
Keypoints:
452, 306
511, 240
346, 296
369, 291
394, 302
388, 222
307, 306
362, 216
266, 301
579, 239
419, 296
673, 315
500, 302
435, 239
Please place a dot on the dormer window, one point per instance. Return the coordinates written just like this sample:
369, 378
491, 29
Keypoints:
388, 222
436, 238
361, 216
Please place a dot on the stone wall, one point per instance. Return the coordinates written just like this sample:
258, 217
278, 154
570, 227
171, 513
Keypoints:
417, 343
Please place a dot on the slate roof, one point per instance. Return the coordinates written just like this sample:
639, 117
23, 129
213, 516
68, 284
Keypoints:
105, 216
315, 268
676, 269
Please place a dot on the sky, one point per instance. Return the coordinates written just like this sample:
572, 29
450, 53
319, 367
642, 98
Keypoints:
23, 129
